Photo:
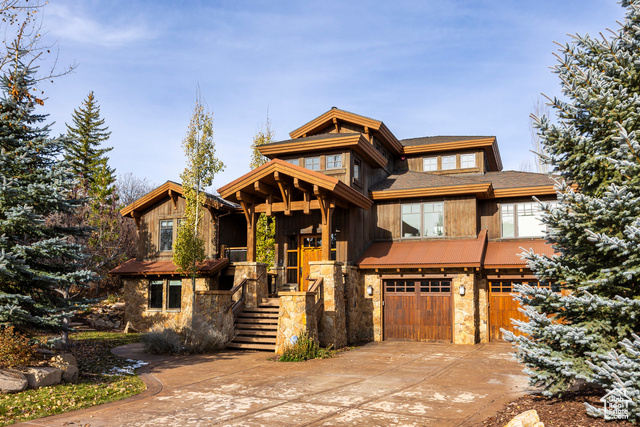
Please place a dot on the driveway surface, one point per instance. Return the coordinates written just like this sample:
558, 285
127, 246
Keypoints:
378, 384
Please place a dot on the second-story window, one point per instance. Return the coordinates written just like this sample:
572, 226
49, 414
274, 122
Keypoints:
467, 160
448, 162
430, 164
312, 163
166, 235
294, 161
334, 161
423, 219
521, 220
356, 169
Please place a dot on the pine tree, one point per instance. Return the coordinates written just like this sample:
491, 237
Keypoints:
39, 259
266, 225
82, 151
596, 224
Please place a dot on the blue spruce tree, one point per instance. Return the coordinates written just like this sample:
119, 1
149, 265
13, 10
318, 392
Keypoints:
39, 256
595, 228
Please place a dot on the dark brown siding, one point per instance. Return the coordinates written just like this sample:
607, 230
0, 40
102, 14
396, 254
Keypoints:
460, 217
233, 230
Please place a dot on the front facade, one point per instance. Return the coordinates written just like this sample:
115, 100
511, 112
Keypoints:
414, 239
424, 233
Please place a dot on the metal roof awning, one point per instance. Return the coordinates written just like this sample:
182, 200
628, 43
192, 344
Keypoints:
506, 253
144, 268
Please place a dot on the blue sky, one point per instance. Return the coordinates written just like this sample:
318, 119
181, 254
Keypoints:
422, 67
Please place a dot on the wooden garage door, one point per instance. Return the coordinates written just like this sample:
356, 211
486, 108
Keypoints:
418, 310
503, 308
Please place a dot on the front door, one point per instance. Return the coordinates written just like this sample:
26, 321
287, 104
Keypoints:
310, 250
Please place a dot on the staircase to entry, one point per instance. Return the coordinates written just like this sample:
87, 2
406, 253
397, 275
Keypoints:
257, 327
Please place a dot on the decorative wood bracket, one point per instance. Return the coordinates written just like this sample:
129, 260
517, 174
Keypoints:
174, 198
285, 191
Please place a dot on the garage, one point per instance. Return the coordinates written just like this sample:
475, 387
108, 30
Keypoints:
503, 308
418, 310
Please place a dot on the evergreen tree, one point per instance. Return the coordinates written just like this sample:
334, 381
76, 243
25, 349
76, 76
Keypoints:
39, 259
87, 160
266, 225
596, 226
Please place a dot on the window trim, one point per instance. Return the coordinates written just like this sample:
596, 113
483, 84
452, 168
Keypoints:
173, 231
311, 159
455, 162
475, 160
165, 283
168, 285
515, 205
326, 161
424, 160
357, 165
151, 283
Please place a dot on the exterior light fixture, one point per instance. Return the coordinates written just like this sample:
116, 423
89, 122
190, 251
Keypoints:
370, 290
462, 290
403, 158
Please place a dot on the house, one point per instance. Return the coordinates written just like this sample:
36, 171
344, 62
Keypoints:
154, 290
379, 238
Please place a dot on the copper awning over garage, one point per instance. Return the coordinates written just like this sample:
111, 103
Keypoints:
506, 253
426, 253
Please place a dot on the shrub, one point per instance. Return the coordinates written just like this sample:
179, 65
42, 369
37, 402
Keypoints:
185, 336
305, 348
15, 348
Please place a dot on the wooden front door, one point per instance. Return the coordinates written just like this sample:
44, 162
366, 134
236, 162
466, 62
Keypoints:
310, 250
503, 308
418, 310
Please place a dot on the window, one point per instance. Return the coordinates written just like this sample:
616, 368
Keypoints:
166, 235
356, 169
334, 161
423, 219
312, 163
448, 162
433, 219
467, 160
294, 161
521, 220
430, 164
155, 294
411, 220
174, 294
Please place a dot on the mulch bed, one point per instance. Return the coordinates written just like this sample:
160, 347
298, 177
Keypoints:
567, 411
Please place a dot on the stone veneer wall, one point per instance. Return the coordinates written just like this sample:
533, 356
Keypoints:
136, 296
215, 307
297, 315
333, 328
256, 289
371, 317
482, 335
464, 306
354, 300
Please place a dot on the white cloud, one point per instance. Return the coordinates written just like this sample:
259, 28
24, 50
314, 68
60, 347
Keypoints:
71, 24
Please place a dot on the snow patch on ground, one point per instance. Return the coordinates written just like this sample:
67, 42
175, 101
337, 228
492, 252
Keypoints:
128, 369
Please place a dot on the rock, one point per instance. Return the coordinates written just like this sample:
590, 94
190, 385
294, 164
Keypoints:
70, 374
12, 381
45, 351
41, 377
526, 419
129, 329
118, 306
63, 360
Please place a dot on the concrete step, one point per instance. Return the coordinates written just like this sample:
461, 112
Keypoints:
260, 340
258, 332
252, 346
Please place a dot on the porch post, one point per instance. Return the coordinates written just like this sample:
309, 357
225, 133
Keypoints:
326, 210
249, 209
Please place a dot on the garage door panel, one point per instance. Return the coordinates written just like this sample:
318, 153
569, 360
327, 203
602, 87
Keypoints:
503, 308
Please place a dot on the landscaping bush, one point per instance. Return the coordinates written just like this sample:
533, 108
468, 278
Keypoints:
15, 348
185, 336
305, 348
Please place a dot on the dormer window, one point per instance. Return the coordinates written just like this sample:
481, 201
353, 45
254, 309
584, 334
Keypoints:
312, 163
166, 235
448, 162
430, 164
467, 161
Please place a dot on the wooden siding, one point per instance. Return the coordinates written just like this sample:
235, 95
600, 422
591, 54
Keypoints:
460, 217
149, 232
490, 218
233, 230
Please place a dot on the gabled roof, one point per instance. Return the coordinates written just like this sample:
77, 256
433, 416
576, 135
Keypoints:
173, 189
426, 253
326, 141
334, 113
405, 184
433, 144
133, 267
506, 253
268, 175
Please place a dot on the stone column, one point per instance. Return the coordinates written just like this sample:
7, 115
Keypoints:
333, 329
256, 289
483, 310
297, 316
373, 307
464, 306
215, 309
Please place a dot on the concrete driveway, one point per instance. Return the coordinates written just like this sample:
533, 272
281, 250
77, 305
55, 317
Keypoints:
386, 383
